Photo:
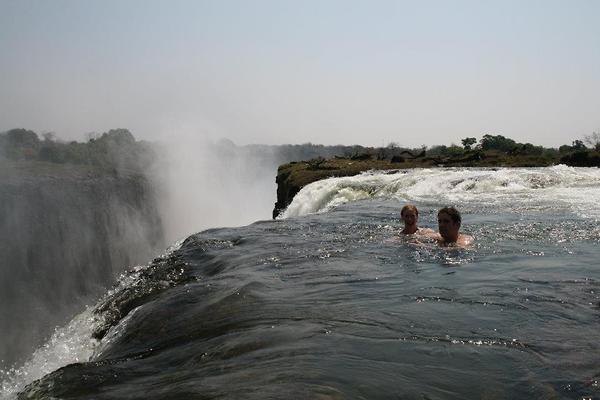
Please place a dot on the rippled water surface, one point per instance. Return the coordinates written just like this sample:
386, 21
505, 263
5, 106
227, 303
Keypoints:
336, 305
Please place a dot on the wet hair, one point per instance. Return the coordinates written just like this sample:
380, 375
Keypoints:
409, 207
453, 213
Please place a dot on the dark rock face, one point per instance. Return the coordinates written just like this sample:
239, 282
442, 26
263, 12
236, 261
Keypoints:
582, 159
66, 232
294, 176
286, 190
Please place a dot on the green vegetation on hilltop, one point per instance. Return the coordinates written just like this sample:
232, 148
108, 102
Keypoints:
116, 149
490, 150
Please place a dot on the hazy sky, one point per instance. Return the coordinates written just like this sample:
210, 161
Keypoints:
351, 72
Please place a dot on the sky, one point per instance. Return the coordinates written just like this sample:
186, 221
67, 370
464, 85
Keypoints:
278, 71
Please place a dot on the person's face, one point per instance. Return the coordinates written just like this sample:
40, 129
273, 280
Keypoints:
446, 226
409, 217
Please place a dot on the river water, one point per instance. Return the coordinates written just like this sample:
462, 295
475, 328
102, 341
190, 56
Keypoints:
330, 303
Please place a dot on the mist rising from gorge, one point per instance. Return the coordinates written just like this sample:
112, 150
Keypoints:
65, 235
202, 184
75, 215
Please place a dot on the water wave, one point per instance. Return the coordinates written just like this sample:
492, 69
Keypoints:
576, 187
336, 300
70, 344
76, 342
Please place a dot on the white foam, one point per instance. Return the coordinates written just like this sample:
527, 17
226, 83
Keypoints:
578, 188
70, 344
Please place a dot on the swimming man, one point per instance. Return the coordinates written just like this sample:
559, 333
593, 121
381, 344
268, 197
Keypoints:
449, 221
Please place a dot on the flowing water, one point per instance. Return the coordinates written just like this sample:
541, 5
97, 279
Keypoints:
329, 302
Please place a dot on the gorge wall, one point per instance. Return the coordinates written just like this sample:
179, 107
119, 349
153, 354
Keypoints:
66, 232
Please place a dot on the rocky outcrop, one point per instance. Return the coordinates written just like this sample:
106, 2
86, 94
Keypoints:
294, 176
582, 159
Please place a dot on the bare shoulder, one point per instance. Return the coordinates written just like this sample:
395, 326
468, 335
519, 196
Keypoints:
465, 240
430, 233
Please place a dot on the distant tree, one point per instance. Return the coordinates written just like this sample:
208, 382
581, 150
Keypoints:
21, 143
422, 151
438, 150
497, 142
565, 148
53, 152
550, 152
118, 136
115, 149
578, 145
468, 142
593, 140
455, 150
446, 151
22, 138
530, 149
49, 136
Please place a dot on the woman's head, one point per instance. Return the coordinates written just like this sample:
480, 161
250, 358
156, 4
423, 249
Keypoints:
409, 214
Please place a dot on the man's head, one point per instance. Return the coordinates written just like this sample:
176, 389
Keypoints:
449, 223
409, 214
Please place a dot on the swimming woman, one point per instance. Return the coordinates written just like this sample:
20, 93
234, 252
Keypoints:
410, 216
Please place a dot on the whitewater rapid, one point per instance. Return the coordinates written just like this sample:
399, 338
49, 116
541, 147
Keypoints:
72, 343
577, 188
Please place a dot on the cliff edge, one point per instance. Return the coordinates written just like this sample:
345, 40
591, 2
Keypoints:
66, 232
294, 176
